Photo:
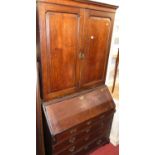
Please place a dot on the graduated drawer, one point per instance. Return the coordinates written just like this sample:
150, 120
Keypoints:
75, 131
92, 145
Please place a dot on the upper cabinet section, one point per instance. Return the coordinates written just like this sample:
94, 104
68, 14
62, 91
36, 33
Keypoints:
74, 44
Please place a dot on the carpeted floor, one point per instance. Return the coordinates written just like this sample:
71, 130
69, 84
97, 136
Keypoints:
108, 149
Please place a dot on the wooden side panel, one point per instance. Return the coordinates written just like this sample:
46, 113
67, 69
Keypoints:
60, 41
98, 33
40, 150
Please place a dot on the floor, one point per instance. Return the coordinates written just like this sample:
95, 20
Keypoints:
108, 149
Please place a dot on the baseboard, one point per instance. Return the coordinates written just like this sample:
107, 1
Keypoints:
114, 141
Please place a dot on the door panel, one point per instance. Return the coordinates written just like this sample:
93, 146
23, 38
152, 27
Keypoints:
61, 29
98, 30
62, 37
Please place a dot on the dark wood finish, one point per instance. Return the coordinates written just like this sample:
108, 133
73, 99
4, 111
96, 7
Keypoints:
73, 122
82, 127
86, 135
73, 44
92, 145
40, 150
62, 29
79, 144
70, 59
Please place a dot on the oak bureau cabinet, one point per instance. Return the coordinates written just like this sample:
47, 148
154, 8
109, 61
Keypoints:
73, 44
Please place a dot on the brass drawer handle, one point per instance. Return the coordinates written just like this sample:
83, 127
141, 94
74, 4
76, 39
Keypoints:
73, 131
72, 149
87, 130
86, 138
89, 122
99, 142
86, 147
72, 139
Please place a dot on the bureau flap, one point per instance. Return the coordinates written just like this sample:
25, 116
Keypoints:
72, 111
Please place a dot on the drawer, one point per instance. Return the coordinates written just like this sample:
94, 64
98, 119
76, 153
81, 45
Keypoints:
79, 142
70, 149
92, 145
83, 126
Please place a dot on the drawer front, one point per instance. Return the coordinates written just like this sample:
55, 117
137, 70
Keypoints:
92, 145
83, 126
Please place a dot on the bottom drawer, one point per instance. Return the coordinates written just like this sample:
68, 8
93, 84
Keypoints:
97, 143
86, 148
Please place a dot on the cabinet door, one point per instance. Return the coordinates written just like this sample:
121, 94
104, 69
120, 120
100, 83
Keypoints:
98, 29
60, 30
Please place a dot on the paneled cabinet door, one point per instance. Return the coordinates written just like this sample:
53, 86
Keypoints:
60, 32
98, 29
